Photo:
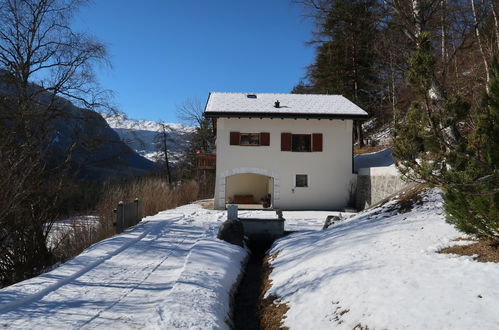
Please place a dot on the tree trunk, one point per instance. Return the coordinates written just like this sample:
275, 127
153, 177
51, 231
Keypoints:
480, 45
165, 152
496, 25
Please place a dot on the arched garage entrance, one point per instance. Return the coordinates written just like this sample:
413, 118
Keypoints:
249, 187
249, 190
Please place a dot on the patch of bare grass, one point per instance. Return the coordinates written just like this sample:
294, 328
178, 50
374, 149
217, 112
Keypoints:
367, 149
272, 312
406, 198
484, 251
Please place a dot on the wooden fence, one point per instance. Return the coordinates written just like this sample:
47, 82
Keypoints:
128, 215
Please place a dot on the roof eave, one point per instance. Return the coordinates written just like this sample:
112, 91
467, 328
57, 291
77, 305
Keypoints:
226, 114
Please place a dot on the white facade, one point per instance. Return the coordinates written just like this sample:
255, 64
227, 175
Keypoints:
329, 171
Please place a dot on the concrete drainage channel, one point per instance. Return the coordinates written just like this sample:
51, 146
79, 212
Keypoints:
260, 234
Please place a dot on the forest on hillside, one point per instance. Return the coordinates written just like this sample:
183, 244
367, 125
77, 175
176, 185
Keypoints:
363, 49
428, 69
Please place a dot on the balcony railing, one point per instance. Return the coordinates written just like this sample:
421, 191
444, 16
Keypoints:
206, 161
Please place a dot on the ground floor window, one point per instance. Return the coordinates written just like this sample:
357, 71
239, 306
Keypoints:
301, 180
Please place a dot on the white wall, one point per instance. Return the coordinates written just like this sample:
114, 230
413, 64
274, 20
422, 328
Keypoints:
329, 171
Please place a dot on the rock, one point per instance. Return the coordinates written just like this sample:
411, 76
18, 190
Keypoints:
232, 232
330, 220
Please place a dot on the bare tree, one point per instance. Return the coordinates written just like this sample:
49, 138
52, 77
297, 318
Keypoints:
191, 112
162, 140
41, 60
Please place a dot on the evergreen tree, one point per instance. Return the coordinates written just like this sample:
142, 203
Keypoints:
472, 204
345, 59
442, 142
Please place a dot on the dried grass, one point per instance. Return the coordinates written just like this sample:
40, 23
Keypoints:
76, 237
272, 312
154, 193
484, 251
367, 149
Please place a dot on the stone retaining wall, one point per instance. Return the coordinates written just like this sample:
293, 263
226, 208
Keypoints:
376, 183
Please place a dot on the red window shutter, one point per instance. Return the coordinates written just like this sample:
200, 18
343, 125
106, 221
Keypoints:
265, 139
234, 138
317, 142
285, 141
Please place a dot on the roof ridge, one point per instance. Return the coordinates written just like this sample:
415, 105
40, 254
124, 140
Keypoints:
246, 93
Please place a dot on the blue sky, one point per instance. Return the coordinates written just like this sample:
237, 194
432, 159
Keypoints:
165, 51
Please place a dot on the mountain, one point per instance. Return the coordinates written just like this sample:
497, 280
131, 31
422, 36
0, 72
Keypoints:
97, 152
143, 136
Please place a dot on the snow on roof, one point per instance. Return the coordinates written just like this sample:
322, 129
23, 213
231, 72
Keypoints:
290, 105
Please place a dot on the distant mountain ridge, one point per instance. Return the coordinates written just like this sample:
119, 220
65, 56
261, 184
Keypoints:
99, 153
142, 136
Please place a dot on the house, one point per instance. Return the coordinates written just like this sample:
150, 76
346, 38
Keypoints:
284, 151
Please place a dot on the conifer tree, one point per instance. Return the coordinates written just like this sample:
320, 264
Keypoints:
442, 142
472, 204
345, 58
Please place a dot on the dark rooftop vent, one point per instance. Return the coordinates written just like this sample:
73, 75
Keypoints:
251, 96
277, 104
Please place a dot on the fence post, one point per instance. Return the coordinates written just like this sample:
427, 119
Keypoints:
120, 218
137, 210
232, 212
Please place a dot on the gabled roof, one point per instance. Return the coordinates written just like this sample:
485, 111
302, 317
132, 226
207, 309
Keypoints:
290, 106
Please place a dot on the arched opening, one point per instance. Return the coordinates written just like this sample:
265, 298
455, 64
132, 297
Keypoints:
249, 191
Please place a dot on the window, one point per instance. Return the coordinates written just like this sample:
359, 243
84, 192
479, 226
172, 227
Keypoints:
249, 139
301, 143
301, 180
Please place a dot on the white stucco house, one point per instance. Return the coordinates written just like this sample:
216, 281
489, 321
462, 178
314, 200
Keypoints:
284, 151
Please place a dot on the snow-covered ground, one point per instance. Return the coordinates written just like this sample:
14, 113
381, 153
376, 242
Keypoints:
374, 159
168, 272
380, 270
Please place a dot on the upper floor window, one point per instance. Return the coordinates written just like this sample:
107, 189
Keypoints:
301, 142
249, 139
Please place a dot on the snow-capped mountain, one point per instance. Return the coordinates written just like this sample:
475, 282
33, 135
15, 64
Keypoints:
143, 136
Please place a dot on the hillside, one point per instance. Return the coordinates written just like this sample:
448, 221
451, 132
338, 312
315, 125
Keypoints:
97, 151
381, 270
141, 136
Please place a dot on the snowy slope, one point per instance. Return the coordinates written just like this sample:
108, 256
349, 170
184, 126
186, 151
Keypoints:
380, 270
150, 276
374, 159
140, 135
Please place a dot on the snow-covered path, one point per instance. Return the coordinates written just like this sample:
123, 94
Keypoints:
119, 282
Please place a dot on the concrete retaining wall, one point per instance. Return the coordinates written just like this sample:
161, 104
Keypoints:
376, 183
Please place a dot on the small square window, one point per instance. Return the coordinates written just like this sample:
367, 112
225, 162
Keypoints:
301, 180
250, 139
